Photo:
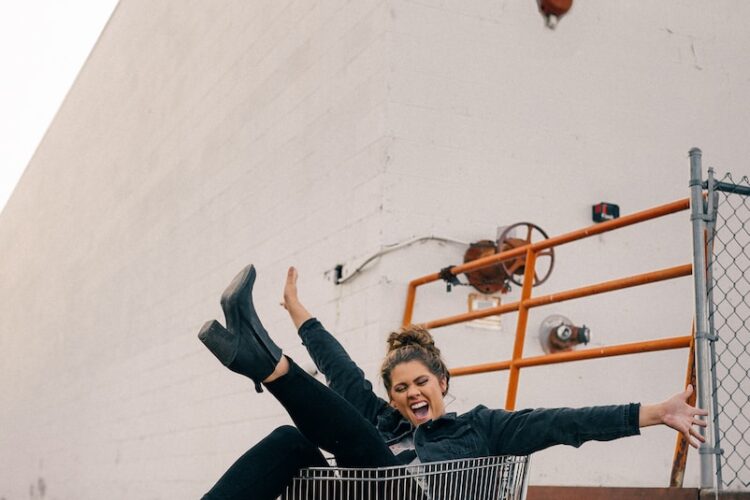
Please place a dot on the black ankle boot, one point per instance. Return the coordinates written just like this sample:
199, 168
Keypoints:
246, 347
239, 353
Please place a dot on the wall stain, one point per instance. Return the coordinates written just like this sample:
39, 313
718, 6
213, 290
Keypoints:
40, 487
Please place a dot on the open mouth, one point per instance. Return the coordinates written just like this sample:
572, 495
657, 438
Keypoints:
420, 410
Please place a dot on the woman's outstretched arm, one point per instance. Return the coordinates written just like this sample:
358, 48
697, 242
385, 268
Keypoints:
526, 431
342, 375
676, 413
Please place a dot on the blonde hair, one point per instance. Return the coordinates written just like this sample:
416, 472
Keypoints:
413, 343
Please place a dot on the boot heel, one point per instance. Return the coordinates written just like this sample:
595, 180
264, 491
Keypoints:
221, 342
225, 345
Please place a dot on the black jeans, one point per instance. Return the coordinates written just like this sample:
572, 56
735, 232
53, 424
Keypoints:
324, 420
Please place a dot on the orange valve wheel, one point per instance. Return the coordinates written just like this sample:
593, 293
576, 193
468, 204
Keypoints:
515, 268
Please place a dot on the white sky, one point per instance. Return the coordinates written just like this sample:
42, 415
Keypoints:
43, 45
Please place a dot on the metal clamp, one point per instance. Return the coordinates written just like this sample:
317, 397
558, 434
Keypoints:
708, 450
703, 335
446, 274
703, 217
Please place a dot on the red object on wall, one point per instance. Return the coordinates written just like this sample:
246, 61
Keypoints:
604, 211
556, 8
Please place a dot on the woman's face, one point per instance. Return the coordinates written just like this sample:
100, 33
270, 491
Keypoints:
416, 392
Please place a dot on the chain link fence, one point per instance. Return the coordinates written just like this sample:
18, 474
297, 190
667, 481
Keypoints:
728, 310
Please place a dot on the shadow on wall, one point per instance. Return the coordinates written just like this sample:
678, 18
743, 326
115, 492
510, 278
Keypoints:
37, 490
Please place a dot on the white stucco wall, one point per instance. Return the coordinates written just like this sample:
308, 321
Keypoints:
203, 136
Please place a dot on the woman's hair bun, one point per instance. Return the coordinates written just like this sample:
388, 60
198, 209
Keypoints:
413, 343
412, 336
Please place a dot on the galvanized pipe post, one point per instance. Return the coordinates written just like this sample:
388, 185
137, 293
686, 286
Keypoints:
698, 218
712, 205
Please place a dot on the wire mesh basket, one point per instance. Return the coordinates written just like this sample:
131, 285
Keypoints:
488, 478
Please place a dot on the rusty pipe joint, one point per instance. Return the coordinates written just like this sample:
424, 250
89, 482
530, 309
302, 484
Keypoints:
565, 337
558, 334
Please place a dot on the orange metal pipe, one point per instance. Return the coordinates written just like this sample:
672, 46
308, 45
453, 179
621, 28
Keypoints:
411, 296
604, 352
495, 366
679, 460
489, 260
626, 220
564, 357
523, 316
483, 313
606, 286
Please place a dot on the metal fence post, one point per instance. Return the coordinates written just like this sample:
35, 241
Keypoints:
698, 218
712, 205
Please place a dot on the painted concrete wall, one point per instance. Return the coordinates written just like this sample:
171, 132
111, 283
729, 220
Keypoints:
203, 136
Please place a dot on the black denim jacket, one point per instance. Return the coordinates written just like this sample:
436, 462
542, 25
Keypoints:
477, 433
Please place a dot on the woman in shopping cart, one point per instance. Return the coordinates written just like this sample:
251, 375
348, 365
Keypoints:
347, 419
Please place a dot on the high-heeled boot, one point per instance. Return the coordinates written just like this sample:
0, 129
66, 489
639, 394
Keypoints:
244, 345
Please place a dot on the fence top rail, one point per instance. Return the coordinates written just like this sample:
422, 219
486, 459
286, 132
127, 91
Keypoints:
728, 187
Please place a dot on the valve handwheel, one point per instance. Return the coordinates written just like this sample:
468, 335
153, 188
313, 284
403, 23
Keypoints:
515, 268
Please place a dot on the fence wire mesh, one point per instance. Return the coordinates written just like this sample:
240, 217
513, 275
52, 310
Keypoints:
728, 242
488, 478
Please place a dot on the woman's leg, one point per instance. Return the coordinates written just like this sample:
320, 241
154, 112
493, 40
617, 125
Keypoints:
329, 421
267, 468
324, 417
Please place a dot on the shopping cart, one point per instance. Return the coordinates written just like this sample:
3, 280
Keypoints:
488, 478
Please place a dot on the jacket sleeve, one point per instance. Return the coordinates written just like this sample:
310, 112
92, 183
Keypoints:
343, 376
526, 431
